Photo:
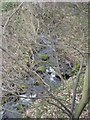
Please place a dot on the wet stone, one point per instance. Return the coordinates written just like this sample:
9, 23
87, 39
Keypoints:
42, 40
30, 81
65, 68
11, 111
41, 69
44, 57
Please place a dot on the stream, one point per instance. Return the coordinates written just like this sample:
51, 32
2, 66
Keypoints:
45, 68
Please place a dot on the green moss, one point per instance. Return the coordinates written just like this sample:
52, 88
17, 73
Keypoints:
75, 68
39, 113
43, 57
36, 83
41, 69
20, 107
7, 6
22, 86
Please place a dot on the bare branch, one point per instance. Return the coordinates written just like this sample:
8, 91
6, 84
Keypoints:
75, 85
80, 8
41, 80
5, 109
60, 108
58, 71
56, 99
13, 59
81, 53
7, 53
7, 21
49, 93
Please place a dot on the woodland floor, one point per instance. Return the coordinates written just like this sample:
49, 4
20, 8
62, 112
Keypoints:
65, 27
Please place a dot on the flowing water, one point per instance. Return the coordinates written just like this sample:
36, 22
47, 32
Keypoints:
14, 108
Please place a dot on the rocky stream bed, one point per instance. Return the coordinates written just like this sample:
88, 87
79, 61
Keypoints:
45, 65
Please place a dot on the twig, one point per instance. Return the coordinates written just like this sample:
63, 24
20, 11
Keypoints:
49, 93
31, 59
5, 109
7, 21
57, 72
80, 8
56, 99
56, 57
87, 53
75, 86
13, 59
9, 56
41, 80
60, 108
6, 52
77, 50
38, 25
9, 91
15, 95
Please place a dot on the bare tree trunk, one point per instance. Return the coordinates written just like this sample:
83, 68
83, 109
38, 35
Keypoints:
84, 100
86, 88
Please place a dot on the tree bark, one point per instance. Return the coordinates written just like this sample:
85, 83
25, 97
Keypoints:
85, 96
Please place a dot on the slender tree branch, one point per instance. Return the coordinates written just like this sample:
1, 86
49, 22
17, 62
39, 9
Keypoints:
7, 21
13, 59
75, 86
5, 109
60, 108
7, 53
81, 53
29, 97
41, 80
56, 99
85, 95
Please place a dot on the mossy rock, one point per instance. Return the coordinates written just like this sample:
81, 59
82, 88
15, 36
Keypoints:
20, 107
43, 57
36, 83
41, 69
75, 68
22, 86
